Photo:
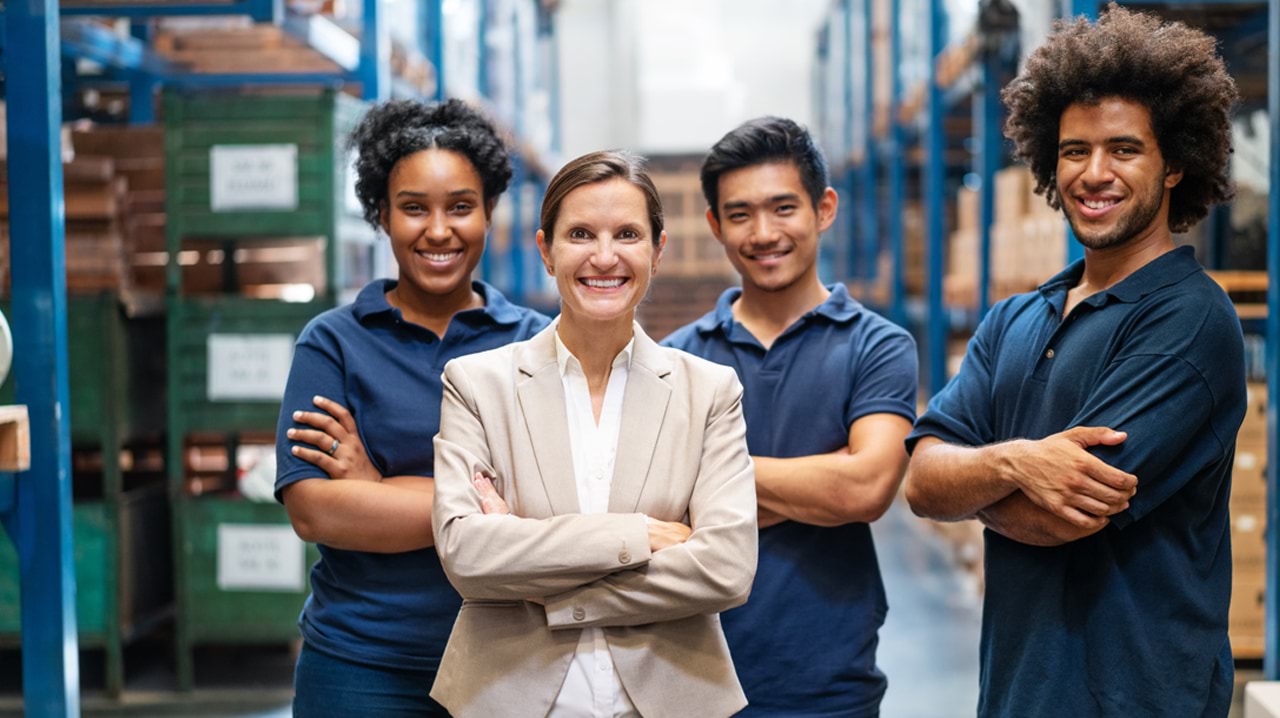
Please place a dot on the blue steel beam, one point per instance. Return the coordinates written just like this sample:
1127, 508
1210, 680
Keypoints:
1271, 647
987, 107
853, 235
125, 9
515, 247
897, 172
870, 187
374, 66
41, 524
431, 22
938, 321
142, 85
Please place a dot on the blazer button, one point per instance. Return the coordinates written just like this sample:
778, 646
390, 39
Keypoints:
579, 613
625, 557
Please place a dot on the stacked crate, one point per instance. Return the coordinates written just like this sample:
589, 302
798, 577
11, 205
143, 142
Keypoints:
1248, 529
251, 178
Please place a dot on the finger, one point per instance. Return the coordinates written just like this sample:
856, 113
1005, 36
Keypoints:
1090, 506
320, 421
1113, 510
337, 411
1087, 436
319, 458
1098, 491
1081, 519
316, 438
1101, 471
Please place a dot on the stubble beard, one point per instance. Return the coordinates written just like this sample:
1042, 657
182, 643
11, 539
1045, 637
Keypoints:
1138, 218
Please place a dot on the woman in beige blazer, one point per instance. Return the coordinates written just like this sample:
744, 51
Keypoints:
595, 503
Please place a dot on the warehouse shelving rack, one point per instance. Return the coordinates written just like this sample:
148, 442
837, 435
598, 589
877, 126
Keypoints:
35, 505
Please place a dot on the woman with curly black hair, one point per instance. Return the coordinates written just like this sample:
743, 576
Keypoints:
356, 475
1092, 426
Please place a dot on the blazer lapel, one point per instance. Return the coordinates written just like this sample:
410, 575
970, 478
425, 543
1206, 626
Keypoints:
541, 396
644, 406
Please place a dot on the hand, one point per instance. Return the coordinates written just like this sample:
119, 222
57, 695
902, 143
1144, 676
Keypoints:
1060, 476
665, 534
490, 502
348, 460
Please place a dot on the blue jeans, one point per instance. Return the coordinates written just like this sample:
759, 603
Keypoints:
329, 687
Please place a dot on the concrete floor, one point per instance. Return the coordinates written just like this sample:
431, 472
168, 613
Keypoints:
928, 649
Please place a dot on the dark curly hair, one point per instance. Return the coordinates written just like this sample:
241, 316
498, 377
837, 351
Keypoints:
760, 141
393, 130
1171, 69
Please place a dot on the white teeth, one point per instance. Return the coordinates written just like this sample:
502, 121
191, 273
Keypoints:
1098, 203
440, 257
603, 283
771, 255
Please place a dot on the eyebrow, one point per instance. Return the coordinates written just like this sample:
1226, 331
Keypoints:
775, 199
454, 193
1117, 140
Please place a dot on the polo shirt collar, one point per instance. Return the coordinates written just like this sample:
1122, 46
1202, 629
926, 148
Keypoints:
1163, 271
372, 300
838, 307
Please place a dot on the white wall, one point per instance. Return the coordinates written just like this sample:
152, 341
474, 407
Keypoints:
672, 76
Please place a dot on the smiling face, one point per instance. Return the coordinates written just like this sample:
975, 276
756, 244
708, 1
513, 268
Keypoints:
437, 220
769, 225
602, 251
1111, 177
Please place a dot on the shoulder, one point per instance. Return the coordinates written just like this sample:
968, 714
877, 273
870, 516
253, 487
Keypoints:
329, 325
484, 365
701, 377
530, 322
691, 335
1193, 319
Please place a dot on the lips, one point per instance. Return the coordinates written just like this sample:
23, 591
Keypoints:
602, 283
1097, 207
439, 257
769, 258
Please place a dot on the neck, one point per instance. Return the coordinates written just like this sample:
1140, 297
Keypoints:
780, 309
433, 311
595, 343
1104, 268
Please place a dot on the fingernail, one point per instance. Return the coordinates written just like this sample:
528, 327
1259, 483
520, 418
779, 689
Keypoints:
290, 432
297, 415
317, 399
295, 449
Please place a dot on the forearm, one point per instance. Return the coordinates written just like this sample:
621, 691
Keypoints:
1016, 518
952, 483
826, 489
387, 517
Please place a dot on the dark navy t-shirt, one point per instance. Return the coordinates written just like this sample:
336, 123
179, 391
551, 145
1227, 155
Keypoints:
804, 643
1131, 621
393, 610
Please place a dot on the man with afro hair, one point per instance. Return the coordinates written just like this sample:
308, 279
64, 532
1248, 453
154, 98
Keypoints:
1092, 426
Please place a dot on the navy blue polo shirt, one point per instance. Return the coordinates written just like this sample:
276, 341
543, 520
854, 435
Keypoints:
1131, 621
393, 610
804, 644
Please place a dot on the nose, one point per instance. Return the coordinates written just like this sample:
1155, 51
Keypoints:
1099, 170
437, 228
603, 255
763, 228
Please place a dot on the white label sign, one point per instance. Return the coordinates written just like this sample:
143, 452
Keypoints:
260, 557
250, 177
249, 366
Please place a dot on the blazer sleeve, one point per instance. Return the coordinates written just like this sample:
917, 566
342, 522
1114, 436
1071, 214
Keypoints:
509, 557
710, 572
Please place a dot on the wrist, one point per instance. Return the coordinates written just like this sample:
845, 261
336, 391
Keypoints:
1002, 461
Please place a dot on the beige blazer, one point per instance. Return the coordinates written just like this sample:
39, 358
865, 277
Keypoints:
682, 456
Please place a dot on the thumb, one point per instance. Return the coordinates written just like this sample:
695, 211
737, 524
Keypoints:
1088, 436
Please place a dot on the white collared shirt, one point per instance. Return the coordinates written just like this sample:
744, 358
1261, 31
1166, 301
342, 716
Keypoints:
592, 688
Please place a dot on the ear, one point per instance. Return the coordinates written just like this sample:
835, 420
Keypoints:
545, 251
657, 255
1171, 177
715, 225
489, 204
827, 207
384, 218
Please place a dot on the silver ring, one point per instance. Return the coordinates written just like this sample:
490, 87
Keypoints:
333, 448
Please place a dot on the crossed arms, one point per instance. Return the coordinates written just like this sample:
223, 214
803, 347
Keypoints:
597, 569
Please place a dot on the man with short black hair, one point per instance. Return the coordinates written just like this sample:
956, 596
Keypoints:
1092, 425
829, 396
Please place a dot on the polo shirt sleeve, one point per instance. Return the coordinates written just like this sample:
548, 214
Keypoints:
317, 369
961, 412
885, 377
1164, 404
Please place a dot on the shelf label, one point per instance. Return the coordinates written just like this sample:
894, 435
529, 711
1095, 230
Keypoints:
260, 557
253, 177
251, 367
